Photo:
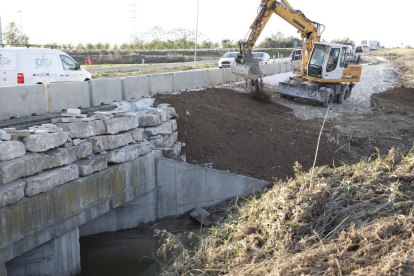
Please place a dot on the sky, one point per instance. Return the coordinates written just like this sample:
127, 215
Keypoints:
94, 21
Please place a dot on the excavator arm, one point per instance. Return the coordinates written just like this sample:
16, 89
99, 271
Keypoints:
245, 65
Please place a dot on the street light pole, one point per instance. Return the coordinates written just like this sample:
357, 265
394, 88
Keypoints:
21, 34
195, 53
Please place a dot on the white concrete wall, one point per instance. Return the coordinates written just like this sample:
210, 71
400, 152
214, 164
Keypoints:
105, 91
160, 84
22, 101
66, 95
135, 87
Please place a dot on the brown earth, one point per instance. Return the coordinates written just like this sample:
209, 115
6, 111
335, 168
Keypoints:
230, 131
398, 99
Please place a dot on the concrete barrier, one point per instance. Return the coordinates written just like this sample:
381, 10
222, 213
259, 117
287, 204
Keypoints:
270, 69
64, 95
182, 81
105, 91
160, 84
200, 78
135, 87
215, 76
22, 101
263, 68
228, 76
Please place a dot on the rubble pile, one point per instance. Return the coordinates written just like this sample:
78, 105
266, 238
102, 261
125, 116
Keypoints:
40, 158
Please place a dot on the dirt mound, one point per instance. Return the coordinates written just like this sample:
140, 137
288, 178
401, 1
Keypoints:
397, 99
231, 131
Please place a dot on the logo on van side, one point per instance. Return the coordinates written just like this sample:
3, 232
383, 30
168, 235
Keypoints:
4, 61
43, 62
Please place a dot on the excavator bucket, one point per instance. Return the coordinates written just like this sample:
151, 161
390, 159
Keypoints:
249, 69
303, 90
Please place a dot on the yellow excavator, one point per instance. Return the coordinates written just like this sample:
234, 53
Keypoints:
324, 74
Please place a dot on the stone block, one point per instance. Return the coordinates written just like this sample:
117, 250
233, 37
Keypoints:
48, 180
29, 164
41, 143
173, 124
151, 118
165, 128
23, 133
84, 129
129, 153
136, 134
118, 124
165, 143
173, 152
11, 193
65, 156
11, 149
5, 137
108, 142
95, 164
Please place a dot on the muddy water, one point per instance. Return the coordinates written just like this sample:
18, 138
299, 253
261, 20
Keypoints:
129, 252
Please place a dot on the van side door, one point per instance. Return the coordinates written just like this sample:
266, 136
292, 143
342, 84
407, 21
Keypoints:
37, 68
8, 68
71, 69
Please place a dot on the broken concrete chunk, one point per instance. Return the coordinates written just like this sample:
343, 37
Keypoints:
29, 164
23, 133
74, 111
67, 145
129, 153
84, 129
10, 130
11, 193
173, 152
41, 143
95, 164
201, 216
11, 149
165, 128
160, 142
118, 124
149, 120
65, 156
136, 134
102, 143
5, 137
48, 180
78, 141
56, 120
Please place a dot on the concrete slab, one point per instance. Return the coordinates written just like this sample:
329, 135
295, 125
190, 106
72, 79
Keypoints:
22, 101
11, 149
44, 142
215, 76
65, 95
108, 142
84, 129
182, 81
65, 156
136, 87
160, 84
118, 124
105, 91
29, 164
200, 78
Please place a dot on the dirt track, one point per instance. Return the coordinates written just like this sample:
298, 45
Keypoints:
227, 130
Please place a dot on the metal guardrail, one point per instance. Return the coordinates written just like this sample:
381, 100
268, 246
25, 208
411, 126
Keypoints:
148, 66
156, 66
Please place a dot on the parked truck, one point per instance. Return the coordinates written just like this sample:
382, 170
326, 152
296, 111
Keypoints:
373, 45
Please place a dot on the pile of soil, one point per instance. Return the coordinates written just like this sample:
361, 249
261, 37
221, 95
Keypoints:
230, 131
397, 99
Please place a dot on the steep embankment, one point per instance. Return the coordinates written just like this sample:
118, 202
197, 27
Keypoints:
349, 220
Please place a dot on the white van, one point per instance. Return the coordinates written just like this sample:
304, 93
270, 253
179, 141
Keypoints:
38, 66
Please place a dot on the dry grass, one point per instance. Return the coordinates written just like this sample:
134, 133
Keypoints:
351, 220
403, 58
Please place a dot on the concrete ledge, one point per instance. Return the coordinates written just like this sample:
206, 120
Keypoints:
22, 101
183, 187
182, 81
228, 76
160, 84
136, 87
66, 95
105, 91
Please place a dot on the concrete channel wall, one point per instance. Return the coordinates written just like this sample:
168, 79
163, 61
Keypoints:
36, 233
27, 100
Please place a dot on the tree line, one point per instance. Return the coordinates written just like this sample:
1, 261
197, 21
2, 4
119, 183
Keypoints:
158, 38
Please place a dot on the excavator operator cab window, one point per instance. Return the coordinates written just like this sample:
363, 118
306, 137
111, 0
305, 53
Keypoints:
333, 59
317, 60
343, 58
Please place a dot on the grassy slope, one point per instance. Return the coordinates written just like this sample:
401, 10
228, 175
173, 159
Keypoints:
404, 58
349, 220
